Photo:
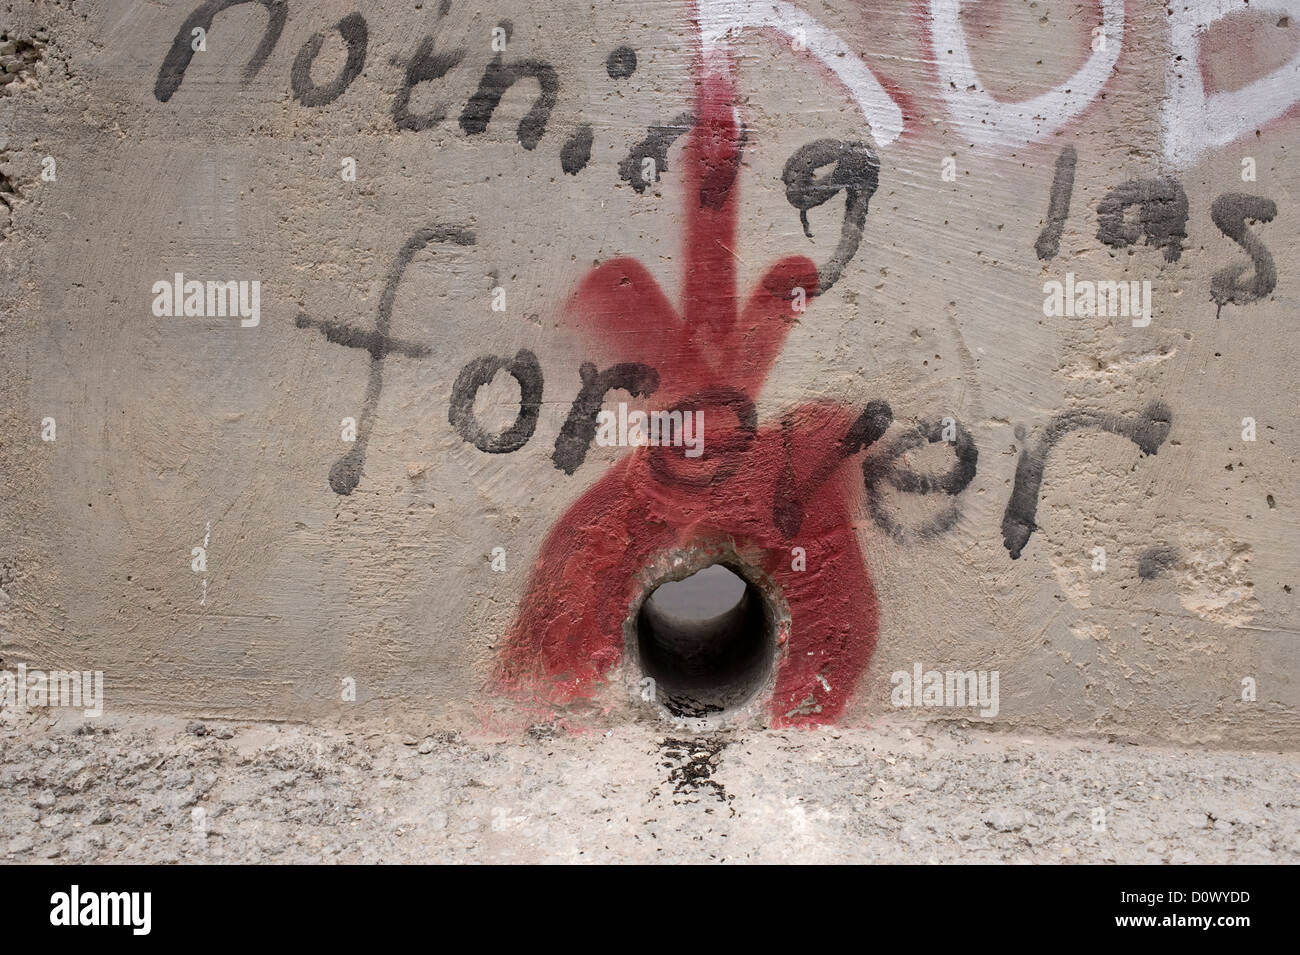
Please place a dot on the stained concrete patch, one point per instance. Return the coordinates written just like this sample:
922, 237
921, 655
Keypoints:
1072, 577
1214, 581
1155, 561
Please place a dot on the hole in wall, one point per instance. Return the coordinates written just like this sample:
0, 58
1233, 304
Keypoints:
707, 641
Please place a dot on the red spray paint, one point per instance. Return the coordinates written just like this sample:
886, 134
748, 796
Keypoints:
714, 356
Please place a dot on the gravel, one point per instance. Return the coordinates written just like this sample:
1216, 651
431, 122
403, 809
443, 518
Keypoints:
151, 789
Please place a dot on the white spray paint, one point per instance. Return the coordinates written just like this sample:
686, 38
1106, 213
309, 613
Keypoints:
721, 21
997, 125
1194, 122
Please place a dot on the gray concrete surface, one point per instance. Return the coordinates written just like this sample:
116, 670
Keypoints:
168, 790
184, 432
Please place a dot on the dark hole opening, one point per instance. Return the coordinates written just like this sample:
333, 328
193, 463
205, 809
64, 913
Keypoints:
706, 641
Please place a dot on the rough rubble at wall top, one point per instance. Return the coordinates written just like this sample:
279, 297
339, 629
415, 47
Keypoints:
333, 330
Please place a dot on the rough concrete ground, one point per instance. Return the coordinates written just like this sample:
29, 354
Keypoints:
126, 789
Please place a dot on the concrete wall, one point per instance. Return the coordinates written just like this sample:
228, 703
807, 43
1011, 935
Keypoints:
952, 164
